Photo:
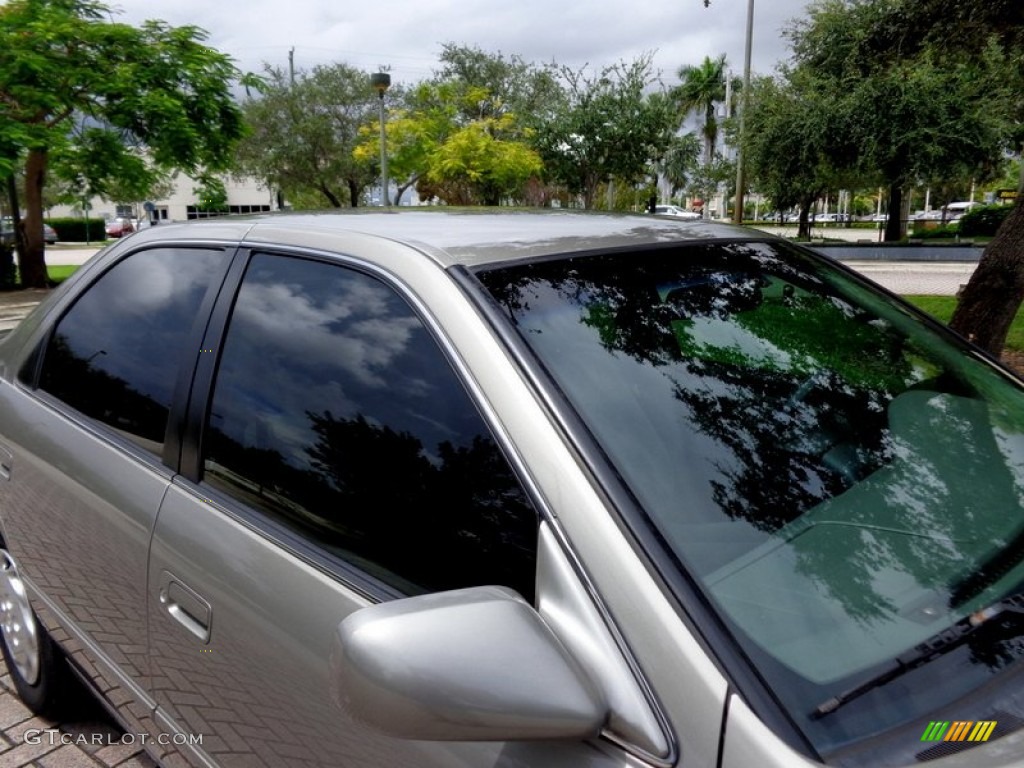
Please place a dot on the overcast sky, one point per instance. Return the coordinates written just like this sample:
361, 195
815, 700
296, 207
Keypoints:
406, 35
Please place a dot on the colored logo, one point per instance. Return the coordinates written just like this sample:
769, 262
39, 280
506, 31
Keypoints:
959, 730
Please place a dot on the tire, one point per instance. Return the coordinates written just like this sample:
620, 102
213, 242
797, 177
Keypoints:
38, 669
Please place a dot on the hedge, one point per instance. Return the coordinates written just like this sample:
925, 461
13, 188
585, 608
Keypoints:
983, 220
73, 229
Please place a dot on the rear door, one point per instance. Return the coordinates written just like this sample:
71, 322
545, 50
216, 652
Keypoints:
337, 461
87, 431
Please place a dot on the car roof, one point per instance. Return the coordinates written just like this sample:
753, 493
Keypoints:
461, 236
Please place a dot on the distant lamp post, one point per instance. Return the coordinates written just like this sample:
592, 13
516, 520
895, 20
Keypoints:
382, 81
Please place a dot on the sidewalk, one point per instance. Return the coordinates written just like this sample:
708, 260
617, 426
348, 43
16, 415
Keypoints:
78, 254
14, 305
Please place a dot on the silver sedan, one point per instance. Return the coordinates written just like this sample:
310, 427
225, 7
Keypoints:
427, 489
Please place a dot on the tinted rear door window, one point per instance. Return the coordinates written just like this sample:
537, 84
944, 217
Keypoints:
115, 354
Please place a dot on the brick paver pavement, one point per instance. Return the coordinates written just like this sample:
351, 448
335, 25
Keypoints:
88, 742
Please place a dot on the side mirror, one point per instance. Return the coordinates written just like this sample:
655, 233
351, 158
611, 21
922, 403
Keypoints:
469, 665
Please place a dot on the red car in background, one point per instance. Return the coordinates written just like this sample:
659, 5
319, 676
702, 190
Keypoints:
119, 227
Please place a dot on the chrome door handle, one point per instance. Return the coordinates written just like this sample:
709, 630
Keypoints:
6, 463
186, 606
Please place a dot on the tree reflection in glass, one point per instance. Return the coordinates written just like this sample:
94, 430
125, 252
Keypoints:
844, 480
336, 414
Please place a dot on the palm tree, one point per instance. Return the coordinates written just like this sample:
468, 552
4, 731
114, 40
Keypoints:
701, 89
680, 160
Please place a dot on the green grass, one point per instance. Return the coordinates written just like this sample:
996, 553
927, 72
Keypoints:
59, 274
941, 308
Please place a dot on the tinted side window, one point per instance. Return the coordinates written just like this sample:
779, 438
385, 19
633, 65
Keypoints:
336, 413
115, 354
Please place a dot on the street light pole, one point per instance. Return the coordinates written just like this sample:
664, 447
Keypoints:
382, 81
737, 215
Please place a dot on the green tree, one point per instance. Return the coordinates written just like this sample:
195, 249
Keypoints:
417, 123
976, 46
902, 118
212, 195
153, 85
104, 163
302, 134
789, 142
512, 84
477, 166
609, 127
702, 89
493, 84
680, 162
443, 141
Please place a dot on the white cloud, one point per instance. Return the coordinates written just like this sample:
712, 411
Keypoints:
407, 36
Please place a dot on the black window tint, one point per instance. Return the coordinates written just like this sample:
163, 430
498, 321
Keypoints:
336, 413
115, 355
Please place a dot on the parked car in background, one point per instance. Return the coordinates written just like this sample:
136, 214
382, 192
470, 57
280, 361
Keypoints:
956, 210
675, 210
7, 232
831, 218
504, 490
119, 227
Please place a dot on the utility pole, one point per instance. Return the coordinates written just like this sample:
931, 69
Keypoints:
291, 65
741, 181
737, 214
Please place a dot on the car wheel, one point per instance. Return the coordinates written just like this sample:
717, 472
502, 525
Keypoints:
38, 669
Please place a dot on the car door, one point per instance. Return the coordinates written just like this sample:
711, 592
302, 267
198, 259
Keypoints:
85, 432
337, 461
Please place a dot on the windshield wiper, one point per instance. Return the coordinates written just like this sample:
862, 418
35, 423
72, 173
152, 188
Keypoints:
936, 645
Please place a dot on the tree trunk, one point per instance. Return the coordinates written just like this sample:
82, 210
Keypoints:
32, 258
894, 224
353, 193
993, 295
803, 229
403, 187
331, 197
589, 193
8, 274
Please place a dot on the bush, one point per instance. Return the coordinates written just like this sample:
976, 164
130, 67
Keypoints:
983, 220
8, 272
937, 232
73, 229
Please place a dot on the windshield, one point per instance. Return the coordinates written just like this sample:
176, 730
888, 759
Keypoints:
842, 480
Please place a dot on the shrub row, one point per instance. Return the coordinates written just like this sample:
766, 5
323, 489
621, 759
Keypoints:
938, 232
73, 230
983, 220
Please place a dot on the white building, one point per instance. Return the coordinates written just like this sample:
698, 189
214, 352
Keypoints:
244, 196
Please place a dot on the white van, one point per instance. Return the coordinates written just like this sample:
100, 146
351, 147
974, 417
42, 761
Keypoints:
955, 210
